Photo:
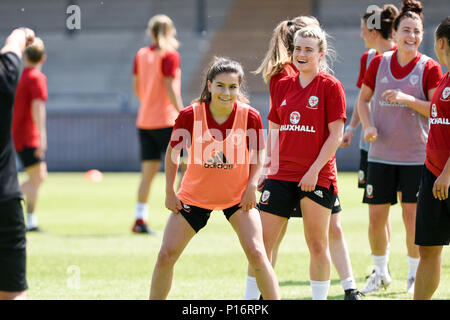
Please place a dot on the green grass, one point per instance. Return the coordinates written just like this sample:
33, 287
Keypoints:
89, 252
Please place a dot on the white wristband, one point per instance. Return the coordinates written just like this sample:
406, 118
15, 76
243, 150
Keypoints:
349, 128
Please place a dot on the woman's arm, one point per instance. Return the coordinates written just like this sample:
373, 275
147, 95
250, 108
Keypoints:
421, 106
347, 139
174, 97
136, 86
442, 183
39, 118
365, 95
309, 180
171, 167
268, 161
248, 200
17, 41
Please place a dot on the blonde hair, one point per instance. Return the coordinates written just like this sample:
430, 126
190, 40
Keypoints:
318, 33
281, 46
35, 51
163, 30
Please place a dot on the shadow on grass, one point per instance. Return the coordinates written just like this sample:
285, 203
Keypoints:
302, 283
100, 235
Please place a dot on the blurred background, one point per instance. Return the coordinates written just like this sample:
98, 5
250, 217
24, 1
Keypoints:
92, 107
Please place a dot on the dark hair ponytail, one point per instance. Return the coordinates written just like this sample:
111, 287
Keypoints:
387, 17
410, 9
443, 30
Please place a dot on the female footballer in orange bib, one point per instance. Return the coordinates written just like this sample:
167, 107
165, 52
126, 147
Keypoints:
224, 163
157, 84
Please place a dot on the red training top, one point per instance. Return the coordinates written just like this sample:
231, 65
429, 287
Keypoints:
303, 115
32, 85
185, 121
438, 145
432, 73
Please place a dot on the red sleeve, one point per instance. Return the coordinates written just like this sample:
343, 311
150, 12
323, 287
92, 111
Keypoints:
335, 102
135, 65
170, 64
183, 128
278, 90
254, 123
432, 75
362, 69
38, 87
370, 77
273, 115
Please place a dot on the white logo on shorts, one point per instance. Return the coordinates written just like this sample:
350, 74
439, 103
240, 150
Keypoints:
265, 196
319, 193
295, 117
283, 103
369, 191
336, 203
361, 176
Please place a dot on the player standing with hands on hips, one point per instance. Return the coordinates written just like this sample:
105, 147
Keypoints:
224, 164
433, 206
29, 127
13, 282
401, 83
157, 84
307, 118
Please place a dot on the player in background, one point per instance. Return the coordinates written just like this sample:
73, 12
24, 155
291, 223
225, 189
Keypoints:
276, 65
157, 84
222, 174
433, 205
29, 127
13, 282
308, 110
401, 83
377, 40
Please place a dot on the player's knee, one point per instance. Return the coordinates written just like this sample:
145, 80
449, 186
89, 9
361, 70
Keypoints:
318, 247
256, 257
167, 257
429, 253
335, 231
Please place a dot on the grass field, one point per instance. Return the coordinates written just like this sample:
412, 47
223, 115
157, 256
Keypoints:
89, 252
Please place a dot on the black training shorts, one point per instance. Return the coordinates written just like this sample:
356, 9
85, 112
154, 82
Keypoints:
433, 215
282, 197
385, 180
198, 217
28, 158
12, 247
154, 142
